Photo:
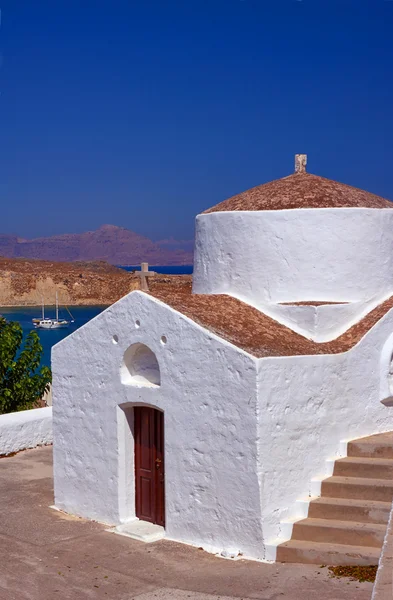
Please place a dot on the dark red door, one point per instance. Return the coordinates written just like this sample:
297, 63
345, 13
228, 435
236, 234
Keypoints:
149, 464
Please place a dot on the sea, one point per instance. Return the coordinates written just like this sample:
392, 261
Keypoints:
81, 314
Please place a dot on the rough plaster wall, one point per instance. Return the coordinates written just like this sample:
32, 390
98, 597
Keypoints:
25, 429
140, 365
383, 586
307, 405
340, 255
321, 323
208, 395
333, 320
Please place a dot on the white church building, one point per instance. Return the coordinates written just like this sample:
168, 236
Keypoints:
218, 416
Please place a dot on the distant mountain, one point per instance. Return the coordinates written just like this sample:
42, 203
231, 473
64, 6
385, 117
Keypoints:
172, 244
116, 245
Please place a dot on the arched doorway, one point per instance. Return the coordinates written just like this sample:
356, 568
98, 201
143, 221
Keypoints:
149, 465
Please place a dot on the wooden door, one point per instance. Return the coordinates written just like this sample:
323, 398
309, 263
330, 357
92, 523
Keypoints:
149, 464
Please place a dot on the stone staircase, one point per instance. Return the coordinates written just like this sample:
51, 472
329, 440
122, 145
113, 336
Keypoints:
347, 524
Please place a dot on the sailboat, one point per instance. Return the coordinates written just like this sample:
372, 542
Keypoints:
37, 320
45, 323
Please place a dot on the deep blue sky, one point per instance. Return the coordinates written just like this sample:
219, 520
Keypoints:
143, 113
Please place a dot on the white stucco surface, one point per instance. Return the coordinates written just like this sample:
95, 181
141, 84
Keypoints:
247, 441
209, 398
25, 429
321, 323
244, 437
311, 404
326, 254
383, 586
140, 366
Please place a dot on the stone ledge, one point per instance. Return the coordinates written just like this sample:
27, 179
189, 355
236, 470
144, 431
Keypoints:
25, 429
141, 531
383, 587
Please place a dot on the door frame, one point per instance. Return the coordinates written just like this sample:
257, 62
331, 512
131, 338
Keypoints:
149, 465
126, 461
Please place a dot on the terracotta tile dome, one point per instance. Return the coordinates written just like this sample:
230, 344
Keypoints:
301, 190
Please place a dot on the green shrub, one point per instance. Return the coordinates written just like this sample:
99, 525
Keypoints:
22, 381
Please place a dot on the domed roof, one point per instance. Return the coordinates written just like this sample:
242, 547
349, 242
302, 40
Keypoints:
301, 190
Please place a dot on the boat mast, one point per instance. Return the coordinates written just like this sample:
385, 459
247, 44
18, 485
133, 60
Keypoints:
43, 307
69, 312
57, 308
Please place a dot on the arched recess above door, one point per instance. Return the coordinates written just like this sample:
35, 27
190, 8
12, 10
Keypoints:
140, 367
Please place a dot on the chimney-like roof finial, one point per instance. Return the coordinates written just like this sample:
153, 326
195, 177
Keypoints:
300, 163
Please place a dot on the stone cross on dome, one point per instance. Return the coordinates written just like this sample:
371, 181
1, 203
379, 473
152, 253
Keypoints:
144, 273
300, 163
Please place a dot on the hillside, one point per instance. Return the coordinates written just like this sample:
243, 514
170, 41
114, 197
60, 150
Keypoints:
116, 245
28, 282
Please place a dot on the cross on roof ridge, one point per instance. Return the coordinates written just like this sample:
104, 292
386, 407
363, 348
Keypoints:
144, 273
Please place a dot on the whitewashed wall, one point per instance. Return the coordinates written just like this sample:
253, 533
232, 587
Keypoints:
340, 255
321, 323
243, 437
208, 395
383, 586
25, 429
307, 406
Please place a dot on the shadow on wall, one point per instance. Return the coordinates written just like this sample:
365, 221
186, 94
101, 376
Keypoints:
386, 373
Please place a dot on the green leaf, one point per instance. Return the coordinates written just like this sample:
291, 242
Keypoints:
22, 381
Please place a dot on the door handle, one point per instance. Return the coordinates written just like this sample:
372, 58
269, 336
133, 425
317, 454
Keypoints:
158, 462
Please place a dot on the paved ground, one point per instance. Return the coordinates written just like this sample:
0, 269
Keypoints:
45, 555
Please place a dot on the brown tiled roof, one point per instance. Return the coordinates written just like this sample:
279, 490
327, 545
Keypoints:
251, 330
301, 190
